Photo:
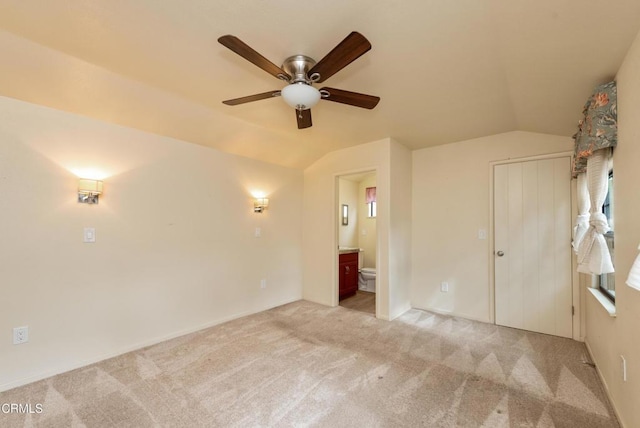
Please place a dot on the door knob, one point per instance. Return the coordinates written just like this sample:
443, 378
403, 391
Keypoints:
500, 253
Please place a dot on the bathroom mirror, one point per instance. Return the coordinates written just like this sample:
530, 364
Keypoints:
345, 214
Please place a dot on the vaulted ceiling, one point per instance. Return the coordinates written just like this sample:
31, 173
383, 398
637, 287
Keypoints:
446, 71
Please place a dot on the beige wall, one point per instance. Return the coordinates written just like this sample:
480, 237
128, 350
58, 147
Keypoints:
400, 229
450, 204
175, 247
348, 194
609, 338
368, 235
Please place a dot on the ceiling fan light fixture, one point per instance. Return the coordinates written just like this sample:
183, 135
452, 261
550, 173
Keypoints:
300, 96
301, 72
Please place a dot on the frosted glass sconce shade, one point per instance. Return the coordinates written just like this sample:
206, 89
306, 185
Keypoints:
89, 190
260, 204
300, 96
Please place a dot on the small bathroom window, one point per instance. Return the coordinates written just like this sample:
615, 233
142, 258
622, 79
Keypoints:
371, 201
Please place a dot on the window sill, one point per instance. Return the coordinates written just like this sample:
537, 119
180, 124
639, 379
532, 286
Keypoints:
604, 301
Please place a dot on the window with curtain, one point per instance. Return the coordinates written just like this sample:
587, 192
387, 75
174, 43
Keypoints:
370, 197
593, 253
593, 233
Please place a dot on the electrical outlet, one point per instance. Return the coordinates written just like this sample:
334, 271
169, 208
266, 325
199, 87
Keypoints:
89, 234
444, 287
263, 283
20, 335
258, 232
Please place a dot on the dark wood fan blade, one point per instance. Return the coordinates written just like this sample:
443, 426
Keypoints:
250, 98
246, 52
351, 98
304, 118
347, 51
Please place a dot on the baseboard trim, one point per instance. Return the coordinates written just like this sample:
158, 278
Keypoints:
604, 382
79, 364
400, 313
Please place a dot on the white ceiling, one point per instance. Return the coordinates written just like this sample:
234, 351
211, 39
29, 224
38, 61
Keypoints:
445, 70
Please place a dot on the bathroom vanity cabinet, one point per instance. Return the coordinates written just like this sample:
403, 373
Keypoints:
348, 278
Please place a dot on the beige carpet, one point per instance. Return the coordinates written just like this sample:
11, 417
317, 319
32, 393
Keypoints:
304, 364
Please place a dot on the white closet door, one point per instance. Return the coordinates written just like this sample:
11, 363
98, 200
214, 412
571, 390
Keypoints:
532, 241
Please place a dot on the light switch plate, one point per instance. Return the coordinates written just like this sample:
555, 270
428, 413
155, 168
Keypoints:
482, 233
258, 232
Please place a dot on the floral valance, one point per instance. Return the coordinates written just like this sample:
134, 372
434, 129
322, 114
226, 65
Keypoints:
598, 129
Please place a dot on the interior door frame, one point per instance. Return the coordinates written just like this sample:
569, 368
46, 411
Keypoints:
576, 319
335, 299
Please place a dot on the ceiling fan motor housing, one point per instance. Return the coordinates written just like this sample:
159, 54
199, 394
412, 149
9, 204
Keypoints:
297, 67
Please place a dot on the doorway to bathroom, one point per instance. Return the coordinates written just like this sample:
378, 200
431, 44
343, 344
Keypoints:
357, 241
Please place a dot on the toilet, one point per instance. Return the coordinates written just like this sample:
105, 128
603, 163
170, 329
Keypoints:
366, 276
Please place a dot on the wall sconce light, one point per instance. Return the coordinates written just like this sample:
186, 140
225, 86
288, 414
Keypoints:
89, 190
260, 204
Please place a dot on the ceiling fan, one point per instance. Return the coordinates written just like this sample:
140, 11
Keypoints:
301, 72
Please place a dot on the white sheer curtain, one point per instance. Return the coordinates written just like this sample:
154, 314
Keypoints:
582, 220
634, 274
593, 253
